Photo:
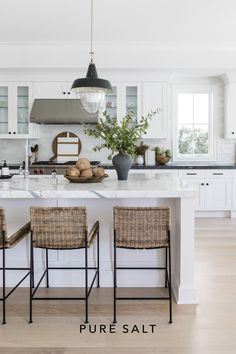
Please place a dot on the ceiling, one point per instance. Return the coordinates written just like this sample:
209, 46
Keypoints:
207, 22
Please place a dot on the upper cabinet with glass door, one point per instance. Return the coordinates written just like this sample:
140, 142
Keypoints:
22, 110
15, 105
132, 98
4, 110
126, 97
111, 102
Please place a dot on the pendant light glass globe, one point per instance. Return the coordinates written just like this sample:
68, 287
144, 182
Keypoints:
91, 90
91, 99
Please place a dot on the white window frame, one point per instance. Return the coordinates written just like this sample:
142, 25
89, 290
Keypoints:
213, 91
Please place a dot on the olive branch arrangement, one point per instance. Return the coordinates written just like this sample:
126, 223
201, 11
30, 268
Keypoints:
121, 137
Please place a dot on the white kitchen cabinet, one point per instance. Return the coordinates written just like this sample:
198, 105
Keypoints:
126, 96
196, 180
154, 96
217, 194
230, 110
213, 188
198, 186
233, 196
15, 107
53, 89
113, 102
131, 99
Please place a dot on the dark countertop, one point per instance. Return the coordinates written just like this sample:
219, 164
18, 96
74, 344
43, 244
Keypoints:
176, 166
169, 166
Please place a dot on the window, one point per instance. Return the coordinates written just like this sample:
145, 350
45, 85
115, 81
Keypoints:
194, 125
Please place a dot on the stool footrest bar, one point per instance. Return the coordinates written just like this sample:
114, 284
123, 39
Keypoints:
59, 298
142, 298
141, 268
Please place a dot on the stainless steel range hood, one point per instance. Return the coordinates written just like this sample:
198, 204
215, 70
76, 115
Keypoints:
60, 111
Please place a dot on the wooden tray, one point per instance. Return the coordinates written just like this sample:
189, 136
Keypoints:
85, 179
64, 135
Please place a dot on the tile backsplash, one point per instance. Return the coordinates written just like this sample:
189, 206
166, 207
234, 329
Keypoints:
14, 150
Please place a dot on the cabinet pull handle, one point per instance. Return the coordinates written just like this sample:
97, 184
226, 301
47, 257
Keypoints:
202, 184
207, 184
191, 174
14, 132
64, 92
217, 173
9, 132
232, 133
68, 92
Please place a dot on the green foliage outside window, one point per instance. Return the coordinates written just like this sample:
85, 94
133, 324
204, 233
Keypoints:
192, 141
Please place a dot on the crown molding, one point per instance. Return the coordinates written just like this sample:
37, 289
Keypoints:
120, 56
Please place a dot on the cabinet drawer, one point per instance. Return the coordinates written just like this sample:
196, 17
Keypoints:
191, 173
206, 173
218, 173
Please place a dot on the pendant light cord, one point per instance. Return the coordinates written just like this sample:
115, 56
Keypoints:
91, 38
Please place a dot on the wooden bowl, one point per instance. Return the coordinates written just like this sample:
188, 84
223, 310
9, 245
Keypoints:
162, 160
93, 179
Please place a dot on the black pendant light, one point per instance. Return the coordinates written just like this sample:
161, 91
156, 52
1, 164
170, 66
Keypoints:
91, 89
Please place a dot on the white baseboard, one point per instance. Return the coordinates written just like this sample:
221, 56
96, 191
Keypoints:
214, 214
187, 294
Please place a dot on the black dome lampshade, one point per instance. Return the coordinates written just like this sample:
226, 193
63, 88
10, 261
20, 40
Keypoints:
91, 90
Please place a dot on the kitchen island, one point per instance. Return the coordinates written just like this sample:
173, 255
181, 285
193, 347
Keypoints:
19, 193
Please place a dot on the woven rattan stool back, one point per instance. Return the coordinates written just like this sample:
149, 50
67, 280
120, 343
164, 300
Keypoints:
3, 226
58, 228
141, 228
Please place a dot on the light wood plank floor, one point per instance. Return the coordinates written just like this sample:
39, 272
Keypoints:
208, 328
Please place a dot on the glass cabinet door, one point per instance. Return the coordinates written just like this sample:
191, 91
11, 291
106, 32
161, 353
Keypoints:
22, 110
111, 102
3, 110
131, 96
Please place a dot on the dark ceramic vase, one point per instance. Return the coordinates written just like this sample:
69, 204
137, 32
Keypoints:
122, 164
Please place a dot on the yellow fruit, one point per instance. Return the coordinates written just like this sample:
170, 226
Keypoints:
72, 172
98, 171
83, 164
86, 173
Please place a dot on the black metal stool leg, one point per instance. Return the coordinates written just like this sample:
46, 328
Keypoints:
98, 261
115, 281
86, 277
170, 284
3, 282
47, 275
166, 272
31, 278
32, 269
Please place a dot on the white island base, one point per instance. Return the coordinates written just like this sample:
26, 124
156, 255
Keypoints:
19, 193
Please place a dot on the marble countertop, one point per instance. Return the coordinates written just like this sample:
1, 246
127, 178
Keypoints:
137, 186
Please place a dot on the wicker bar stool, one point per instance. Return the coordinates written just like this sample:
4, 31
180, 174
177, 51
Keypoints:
7, 243
62, 229
143, 228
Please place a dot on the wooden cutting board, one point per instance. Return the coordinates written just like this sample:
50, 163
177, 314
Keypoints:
66, 144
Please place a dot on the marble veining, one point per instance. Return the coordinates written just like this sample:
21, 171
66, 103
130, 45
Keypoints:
137, 186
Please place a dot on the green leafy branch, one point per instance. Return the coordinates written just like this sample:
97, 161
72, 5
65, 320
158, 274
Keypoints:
121, 137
